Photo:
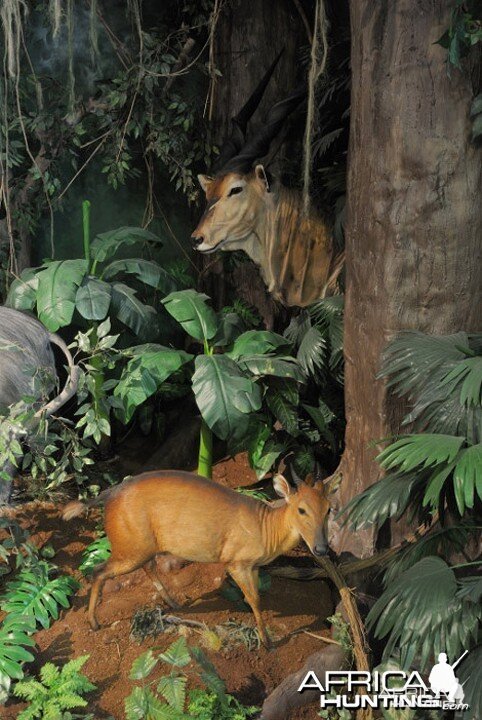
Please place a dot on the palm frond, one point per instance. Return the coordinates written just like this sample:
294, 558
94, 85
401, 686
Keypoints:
390, 497
442, 541
431, 372
421, 614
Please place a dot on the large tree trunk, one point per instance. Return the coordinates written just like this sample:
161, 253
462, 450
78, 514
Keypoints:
414, 223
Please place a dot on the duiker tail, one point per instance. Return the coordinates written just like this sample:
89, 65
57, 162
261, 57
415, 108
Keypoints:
78, 507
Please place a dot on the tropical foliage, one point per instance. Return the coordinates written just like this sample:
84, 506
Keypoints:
97, 286
57, 690
432, 603
169, 698
34, 596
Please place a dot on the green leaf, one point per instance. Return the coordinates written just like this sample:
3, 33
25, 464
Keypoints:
312, 352
148, 272
94, 554
422, 451
130, 310
143, 666
107, 244
57, 289
468, 374
257, 342
22, 294
282, 367
177, 654
282, 407
224, 395
468, 477
470, 675
420, 613
93, 299
190, 309
173, 689
145, 373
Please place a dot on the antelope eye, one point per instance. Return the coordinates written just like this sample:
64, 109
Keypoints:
302, 511
235, 190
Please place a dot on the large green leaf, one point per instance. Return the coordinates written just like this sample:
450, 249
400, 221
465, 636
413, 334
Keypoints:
282, 367
312, 351
468, 477
148, 272
57, 288
145, 373
224, 395
93, 298
190, 309
423, 451
107, 244
130, 310
470, 675
389, 497
257, 342
280, 402
173, 689
467, 375
420, 613
177, 654
143, 665
417, 365
22, 294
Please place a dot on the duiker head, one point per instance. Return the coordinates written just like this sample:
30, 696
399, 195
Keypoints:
309, 507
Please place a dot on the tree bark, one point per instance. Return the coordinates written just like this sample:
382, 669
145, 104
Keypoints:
414, 218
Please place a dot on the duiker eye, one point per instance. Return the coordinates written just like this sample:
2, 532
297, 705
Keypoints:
235, 190
302, 511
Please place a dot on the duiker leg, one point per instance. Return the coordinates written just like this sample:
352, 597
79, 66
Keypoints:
247, 579
150, 570
112, 568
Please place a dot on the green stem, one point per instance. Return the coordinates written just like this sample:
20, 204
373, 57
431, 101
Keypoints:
86, 228
205, 459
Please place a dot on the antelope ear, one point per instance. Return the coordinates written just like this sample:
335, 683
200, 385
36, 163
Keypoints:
205, 181
260, 174
281, 486
329, 484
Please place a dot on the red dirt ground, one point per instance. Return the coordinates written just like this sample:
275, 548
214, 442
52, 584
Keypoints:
289, 608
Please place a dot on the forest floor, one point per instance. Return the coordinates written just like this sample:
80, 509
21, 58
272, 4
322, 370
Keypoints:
290, 607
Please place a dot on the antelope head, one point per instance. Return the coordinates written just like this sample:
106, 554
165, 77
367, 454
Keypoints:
238, 195
236, 204
308, 509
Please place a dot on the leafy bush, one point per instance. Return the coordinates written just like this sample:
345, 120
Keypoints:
33, 597
430, 604
144, 703
91, 286
56, 691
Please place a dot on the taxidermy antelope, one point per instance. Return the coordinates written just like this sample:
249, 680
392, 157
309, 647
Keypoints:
293, 249
198, 520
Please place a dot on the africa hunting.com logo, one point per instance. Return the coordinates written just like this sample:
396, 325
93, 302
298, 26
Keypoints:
390, 688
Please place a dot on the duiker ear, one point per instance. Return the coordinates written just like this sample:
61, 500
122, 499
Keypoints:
281, 486
205, 181
260, 174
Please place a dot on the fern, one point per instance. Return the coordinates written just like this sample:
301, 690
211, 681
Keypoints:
215, 704
56, 691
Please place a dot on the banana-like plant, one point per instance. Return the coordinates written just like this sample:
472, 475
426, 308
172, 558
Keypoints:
97, 285
431, 604
228, 375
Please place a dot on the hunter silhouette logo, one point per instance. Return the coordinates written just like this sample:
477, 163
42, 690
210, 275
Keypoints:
390, 687
442, 679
